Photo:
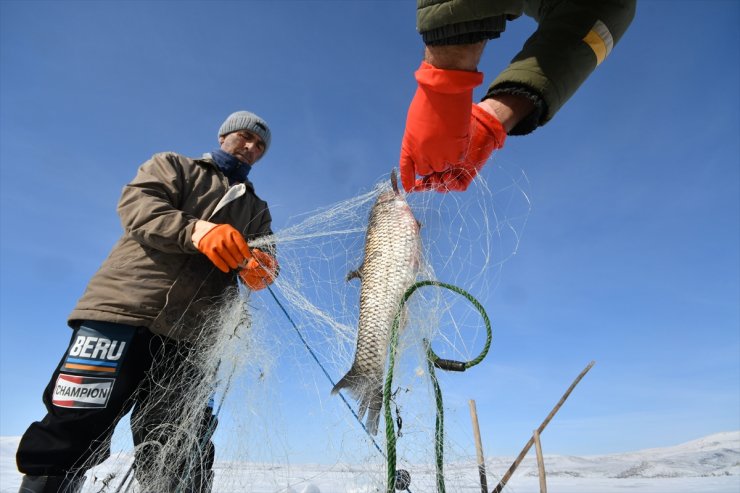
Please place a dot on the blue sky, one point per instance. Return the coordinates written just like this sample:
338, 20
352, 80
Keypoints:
630, 252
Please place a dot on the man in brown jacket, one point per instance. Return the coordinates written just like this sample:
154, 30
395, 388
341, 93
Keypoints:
186, 226
447, 138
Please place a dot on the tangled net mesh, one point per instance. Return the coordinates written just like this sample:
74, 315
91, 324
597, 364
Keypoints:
266, 367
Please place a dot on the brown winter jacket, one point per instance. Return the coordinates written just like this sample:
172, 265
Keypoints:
572, 38
154, 276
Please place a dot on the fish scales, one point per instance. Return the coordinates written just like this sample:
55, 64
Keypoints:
390, 265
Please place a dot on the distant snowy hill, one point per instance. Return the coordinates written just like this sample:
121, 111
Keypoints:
707, 465
714, 455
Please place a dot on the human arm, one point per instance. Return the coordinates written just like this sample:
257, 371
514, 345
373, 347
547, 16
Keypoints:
509, 109
148, 207
223, 244
447, 138
573, 37
152, 212
227, 248
445, 135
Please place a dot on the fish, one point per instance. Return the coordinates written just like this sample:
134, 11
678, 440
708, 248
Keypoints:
390, 266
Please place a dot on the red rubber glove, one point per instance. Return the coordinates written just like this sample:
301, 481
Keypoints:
260, 271
437, 131
224, 246
487, 135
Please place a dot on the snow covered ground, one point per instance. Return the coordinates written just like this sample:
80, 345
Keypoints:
707, 465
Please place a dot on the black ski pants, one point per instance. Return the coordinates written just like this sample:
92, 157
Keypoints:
108, 370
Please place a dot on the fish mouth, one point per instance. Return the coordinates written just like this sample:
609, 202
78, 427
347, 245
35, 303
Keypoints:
390, 195
394, 181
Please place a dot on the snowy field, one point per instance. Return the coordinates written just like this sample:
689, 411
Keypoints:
707, 465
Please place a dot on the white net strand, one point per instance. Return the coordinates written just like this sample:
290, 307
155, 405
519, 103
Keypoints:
254, 364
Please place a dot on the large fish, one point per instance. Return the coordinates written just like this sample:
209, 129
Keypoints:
389, 268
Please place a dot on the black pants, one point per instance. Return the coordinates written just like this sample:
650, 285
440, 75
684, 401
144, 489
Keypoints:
108, 370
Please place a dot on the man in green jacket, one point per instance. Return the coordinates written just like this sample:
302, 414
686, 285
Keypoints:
141, 322
448, 139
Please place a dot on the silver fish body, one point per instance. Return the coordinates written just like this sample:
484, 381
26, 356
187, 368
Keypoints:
390, 266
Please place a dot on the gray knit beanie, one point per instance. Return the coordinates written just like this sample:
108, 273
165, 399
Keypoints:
244, 120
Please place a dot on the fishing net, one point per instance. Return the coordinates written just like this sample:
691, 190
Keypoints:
267, 360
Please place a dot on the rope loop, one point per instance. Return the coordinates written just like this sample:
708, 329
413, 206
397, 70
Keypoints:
433, 361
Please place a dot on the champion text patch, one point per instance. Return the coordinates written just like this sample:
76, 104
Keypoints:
78, 392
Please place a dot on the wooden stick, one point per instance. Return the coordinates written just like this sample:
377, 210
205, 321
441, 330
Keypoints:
540, 461
478, 448
549, 417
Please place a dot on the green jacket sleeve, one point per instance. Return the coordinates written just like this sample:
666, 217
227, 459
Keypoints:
573, 37
448, 22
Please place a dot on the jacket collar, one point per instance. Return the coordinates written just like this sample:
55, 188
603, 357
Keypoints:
207, 158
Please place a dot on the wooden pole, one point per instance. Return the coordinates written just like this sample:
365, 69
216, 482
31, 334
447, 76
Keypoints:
478, 448
540, 461
544, 424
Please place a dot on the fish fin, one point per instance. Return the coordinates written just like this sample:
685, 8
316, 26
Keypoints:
369, 396
356, 385
354, 274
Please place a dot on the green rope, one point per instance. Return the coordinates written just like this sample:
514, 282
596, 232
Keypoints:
433, 362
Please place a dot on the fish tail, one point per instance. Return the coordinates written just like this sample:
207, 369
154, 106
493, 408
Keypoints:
373, 411
368, 393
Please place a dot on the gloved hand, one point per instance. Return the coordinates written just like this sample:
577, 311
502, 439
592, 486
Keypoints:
260, 270
437, 131
487, 135
222, 244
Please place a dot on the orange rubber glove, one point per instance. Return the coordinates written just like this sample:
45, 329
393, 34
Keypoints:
260, 270
437, 131
224, 246
487, 135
